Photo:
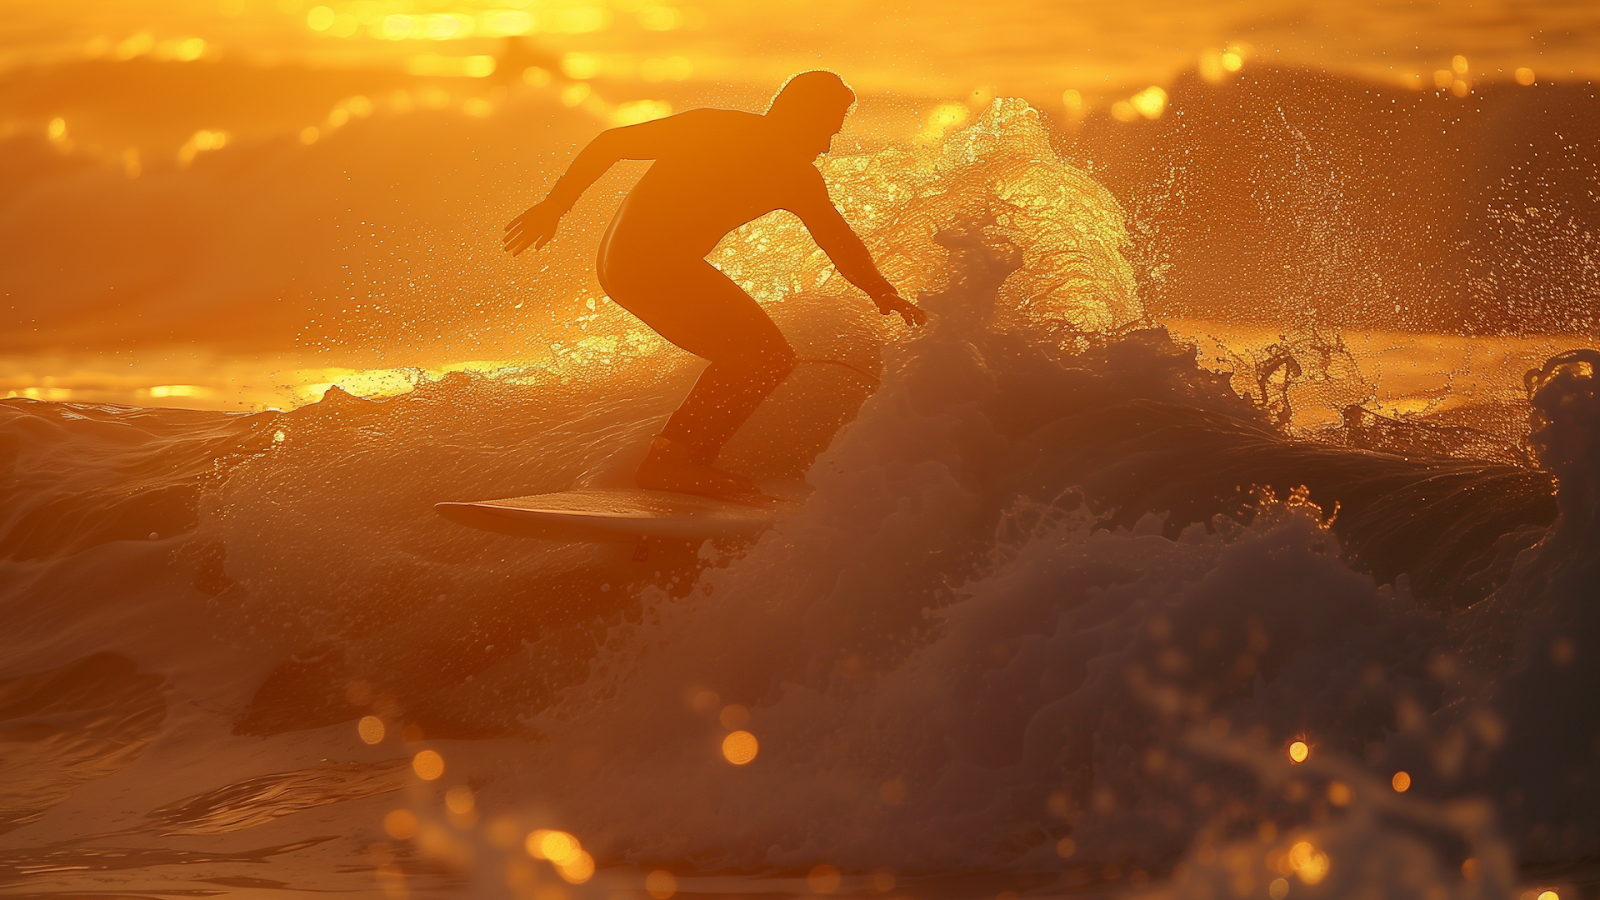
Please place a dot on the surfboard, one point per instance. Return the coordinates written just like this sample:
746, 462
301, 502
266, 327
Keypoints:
615, 514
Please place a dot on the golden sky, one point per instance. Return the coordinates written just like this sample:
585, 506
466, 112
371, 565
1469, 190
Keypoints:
921, 47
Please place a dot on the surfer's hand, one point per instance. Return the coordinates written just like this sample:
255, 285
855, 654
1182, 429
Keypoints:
533, 228
891, 302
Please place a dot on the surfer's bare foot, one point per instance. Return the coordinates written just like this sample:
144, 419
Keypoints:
669, 468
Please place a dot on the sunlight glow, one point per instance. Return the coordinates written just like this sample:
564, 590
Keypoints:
200, 142
640, 111
503, 23
579, 66
1150, 102
176, 390
188, 50
659, 18
943, 118
434, 64
136, 46
670, 68
574, 94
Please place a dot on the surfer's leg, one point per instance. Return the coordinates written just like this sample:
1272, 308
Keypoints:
701, 310
740, 376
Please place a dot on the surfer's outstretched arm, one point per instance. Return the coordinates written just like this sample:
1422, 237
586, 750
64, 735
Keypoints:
850, 256
646, 140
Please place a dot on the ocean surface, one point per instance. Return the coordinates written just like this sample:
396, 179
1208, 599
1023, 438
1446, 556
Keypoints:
1070, 609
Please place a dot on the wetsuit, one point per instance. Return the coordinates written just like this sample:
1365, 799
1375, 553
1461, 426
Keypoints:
714, 170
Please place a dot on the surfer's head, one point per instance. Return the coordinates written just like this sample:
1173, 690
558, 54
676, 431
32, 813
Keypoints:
811, 106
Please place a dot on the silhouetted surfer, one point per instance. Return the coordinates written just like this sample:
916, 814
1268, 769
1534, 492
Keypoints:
715, 170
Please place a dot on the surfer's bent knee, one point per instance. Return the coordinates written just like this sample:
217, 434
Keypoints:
769, 361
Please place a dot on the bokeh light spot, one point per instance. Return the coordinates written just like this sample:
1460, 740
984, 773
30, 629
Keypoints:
1401, 781
823, 879
1299, 751
1278, 889
740, 747
556, 846
370, 727
579, 66
634, 112
573, 94
734, 717
459, 799
1150, 102
400, 824
577, 868
428, 765
1308, 862
660, 884
659, 18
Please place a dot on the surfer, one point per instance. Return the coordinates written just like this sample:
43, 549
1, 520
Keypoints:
715, 169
